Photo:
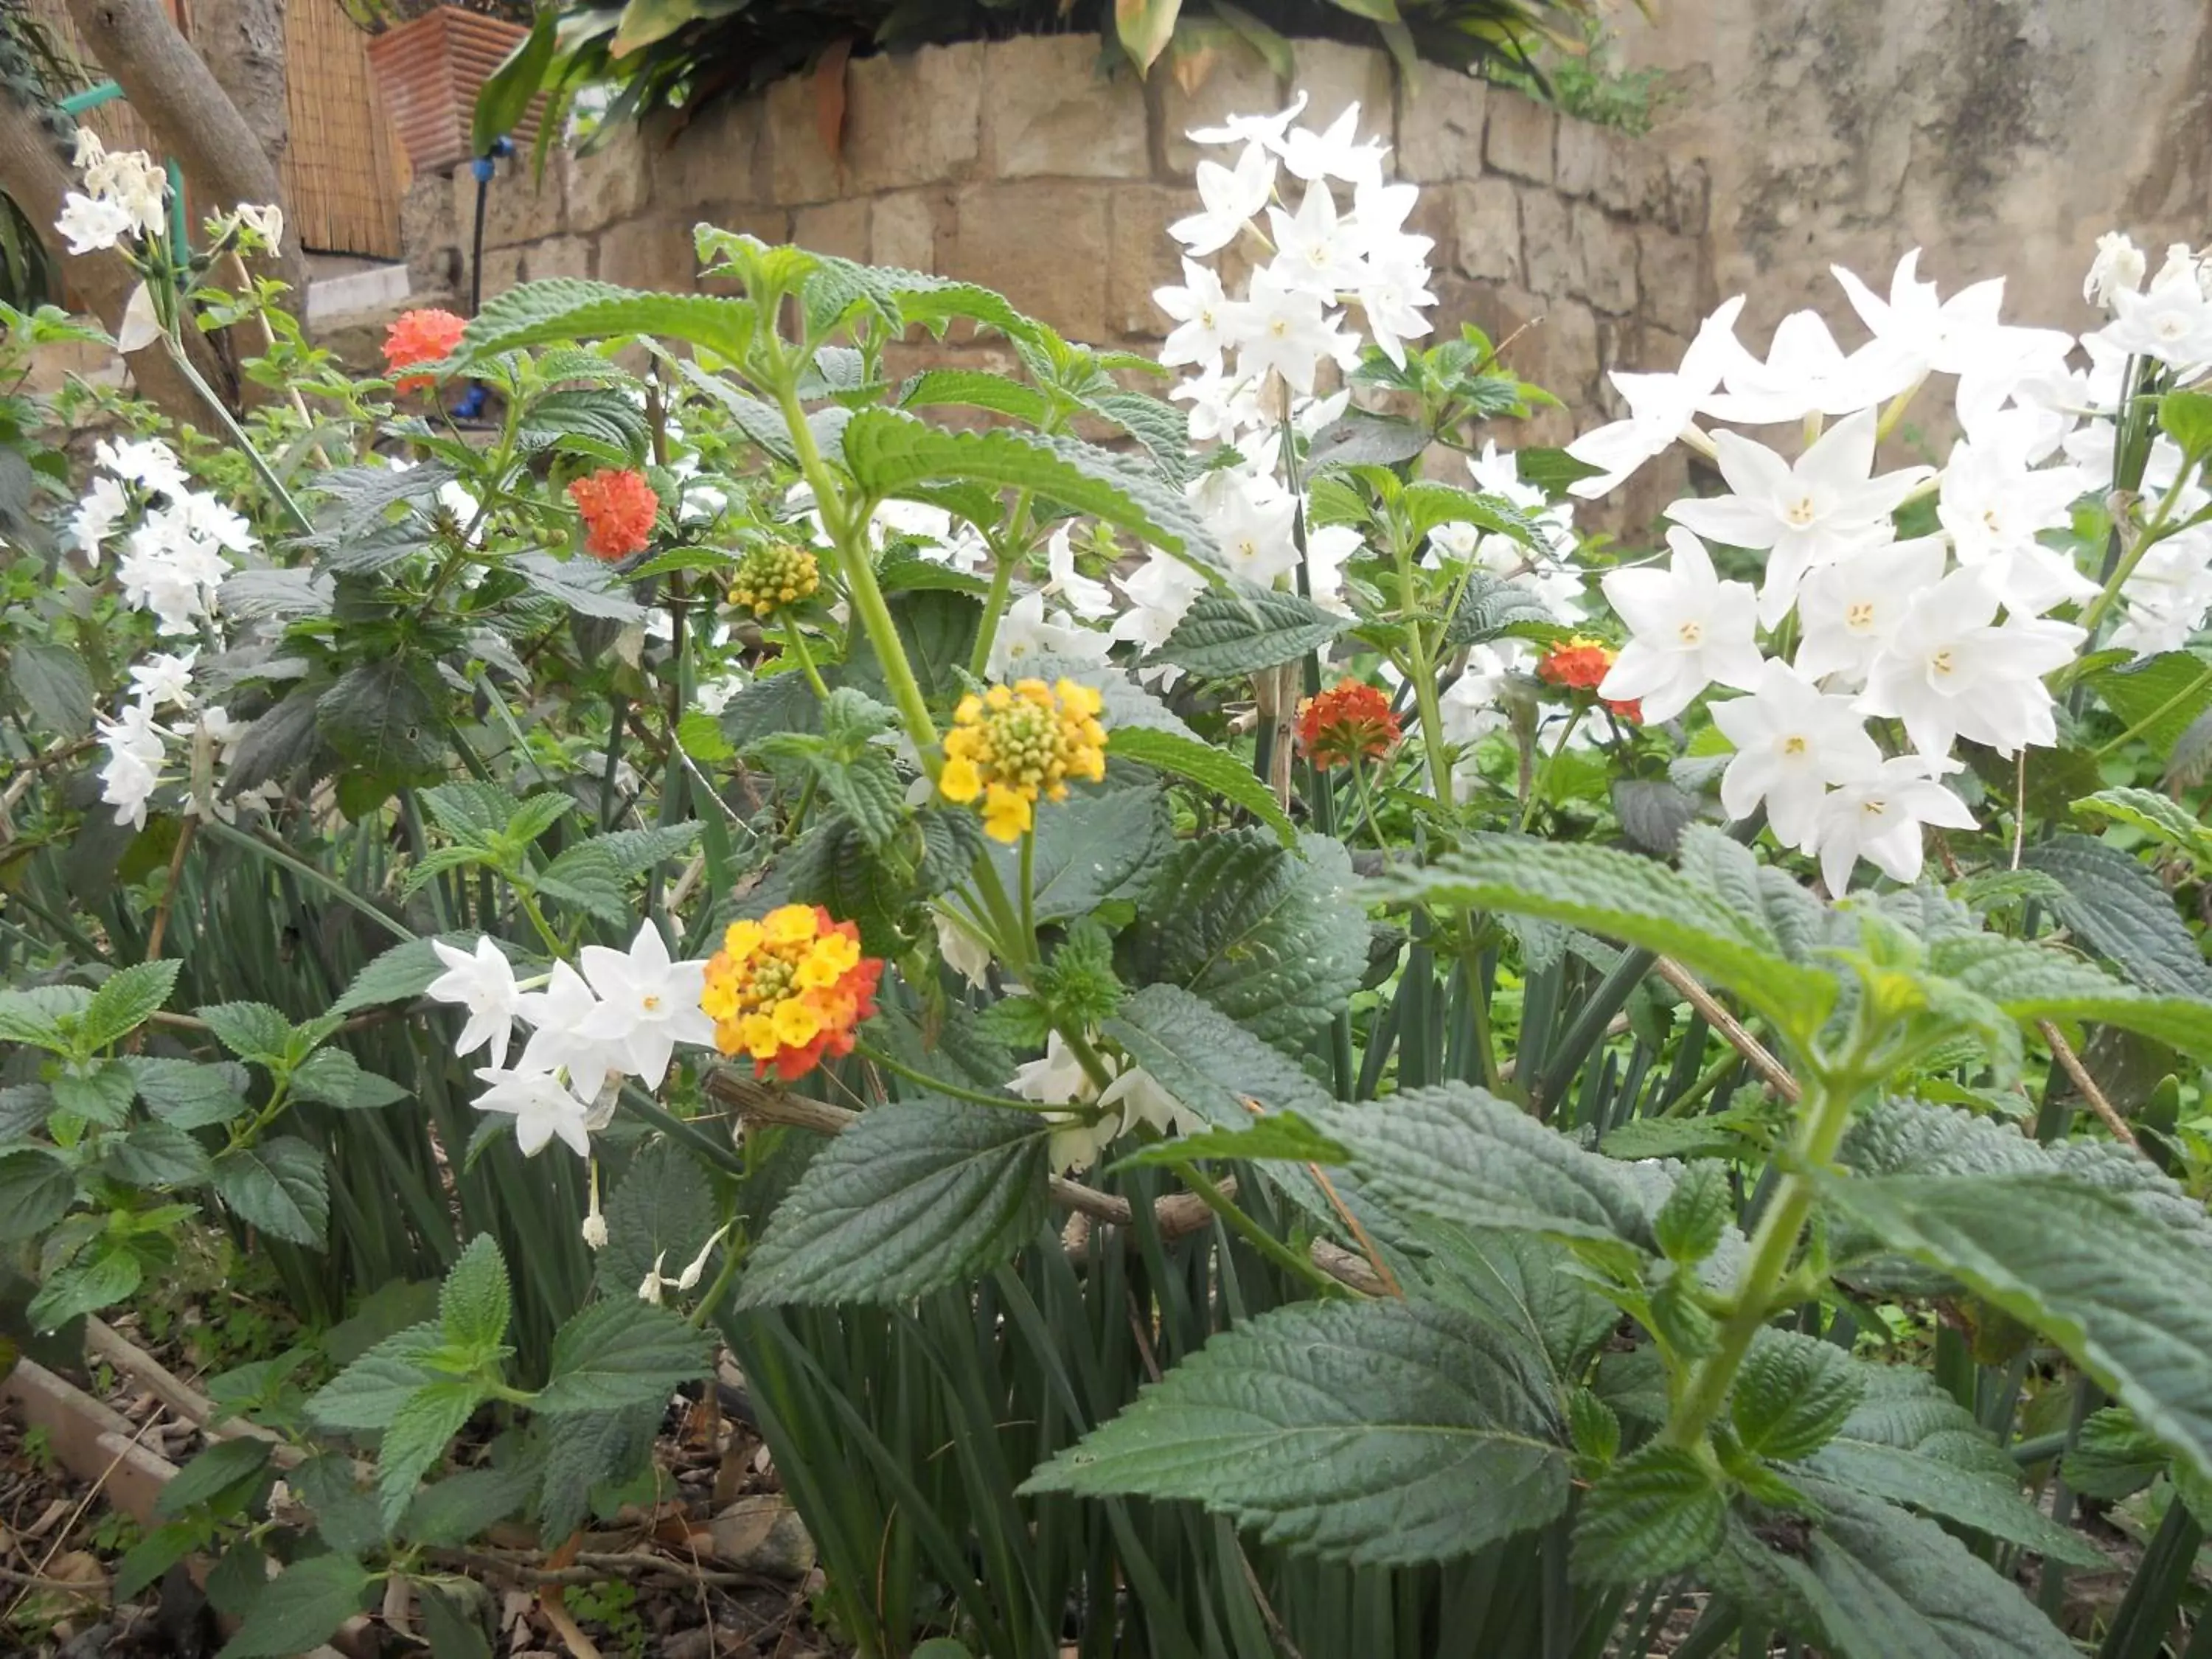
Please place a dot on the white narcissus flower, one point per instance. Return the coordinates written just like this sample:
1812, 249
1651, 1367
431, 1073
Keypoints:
1951, 670
1687, 629
140, 325
1961, 336
1059, 1079
962, 951
1661, 407
92, 222
1336, 152
543, 1108
1994, 505
1317, 251
2168, 594
1229, 197
556, 1016
1253, 522
1848, 611
163, 679
1806, 372
2118, 268
2172, 322
103, 508
1222, 406
1160, 593
1090, 600
1026, 632
1198, 309
146, 461
482, 982
1812, 513
1287, 331
1792, 741
647, 1003
1266, 130
1878, 818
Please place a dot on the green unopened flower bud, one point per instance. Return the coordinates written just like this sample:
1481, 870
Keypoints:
773, 579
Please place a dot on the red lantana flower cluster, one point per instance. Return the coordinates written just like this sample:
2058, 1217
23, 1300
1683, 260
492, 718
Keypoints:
416, 338
1580, 664
1340, 726
619, 507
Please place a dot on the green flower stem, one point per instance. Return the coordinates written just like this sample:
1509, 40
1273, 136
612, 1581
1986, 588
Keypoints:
1298, 1266
876, 1056
1822, 1117
794, 641
718, 1288
1016, 947
1528, 805
1026, 880
268, 475
1420, 668
2154, 532
531, 908
986, 633
2186, 695
279, 1097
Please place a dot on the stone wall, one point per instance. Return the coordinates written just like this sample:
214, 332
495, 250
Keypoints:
2000, 137
1014, 164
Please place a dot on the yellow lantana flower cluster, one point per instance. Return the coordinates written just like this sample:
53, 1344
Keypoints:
789, 987
1017, 744
774, 578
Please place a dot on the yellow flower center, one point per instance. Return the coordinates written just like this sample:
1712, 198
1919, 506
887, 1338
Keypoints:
1017, 744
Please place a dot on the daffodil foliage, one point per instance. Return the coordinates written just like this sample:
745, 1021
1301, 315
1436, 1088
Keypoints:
1124, 930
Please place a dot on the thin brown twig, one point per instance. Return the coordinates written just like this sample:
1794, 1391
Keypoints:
169, 891
594, 1567
2071, 1063
1739, 1038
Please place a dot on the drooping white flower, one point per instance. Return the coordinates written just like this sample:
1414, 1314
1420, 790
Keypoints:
2172, 322
1160, 593
1813, 511
1266, 130
1792, 742
1806, 372
103, 508
1687, 629
1993, 505
1252, 523
2118, 267
961, 951
647, 1003
1222, 405
1026, 632
556, 1016
146, 461
1951, 670
1092, 601
1197, 308
1327, 547
1288, 332
1878, 818
91, 222
127, 782
543, 1107
1661, 407
141, 324
483, 981
1962, 335
1336, 152
1848, 611
1229, 197
162, 679
1317, 251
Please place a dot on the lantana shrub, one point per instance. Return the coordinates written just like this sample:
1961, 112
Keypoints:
1516, 1089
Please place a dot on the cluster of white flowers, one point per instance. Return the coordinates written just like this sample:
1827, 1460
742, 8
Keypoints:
125, 194
1948, 634
621, 1017
171, 562
1133, 1097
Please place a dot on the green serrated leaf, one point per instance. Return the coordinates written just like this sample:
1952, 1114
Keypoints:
334, 1077
55, 685
474, 1304
36, 1190
2159, 817
416, 1438
913, 1197
1213, 770
251, 1030
1379, 1433
300, 1608
84, 1286
222, 1477
460, 1507
1237, 629
561, 309
400, 973
2030, 982
2122, 911
279, 1185
663, 1208
367, 1394
591, 877
1657, 1512
622, 1352
583, 1448
188, 1094
1095, 845
155, 1155
1792, 1395
98, 1093
129, 997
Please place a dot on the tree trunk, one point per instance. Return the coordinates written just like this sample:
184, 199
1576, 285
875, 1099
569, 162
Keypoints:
171, 87
242, 43
33, 171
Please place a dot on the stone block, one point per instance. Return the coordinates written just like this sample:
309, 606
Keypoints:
799, 167
1230, 80
1048, 111
519, 207
647, 253
609, 183
1141, 258
1689, 198
1645, 182
839, 227
502, 270
1550, 257
1518, 136
913, 118
1488, 219
903, 228
1607, 249
1672, 279
1334, 76
716, 158
1593, 161
557, 256
1041, 244
430, 235
1440, 118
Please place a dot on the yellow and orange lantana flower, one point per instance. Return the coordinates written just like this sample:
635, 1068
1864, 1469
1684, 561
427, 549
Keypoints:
789, 989
1020, 743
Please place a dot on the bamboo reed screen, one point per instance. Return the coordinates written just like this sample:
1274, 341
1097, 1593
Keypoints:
344, 170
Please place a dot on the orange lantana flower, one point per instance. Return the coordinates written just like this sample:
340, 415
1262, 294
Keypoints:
419, 338
789, 989
1340, 725
619, 507
1580, 664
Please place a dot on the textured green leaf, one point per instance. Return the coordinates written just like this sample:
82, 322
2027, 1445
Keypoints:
619, 1353
585, 586
54, 685
911, 1198
149, 1560
2157, 697
156, 1155
1239, 628
367, 1394
1529, 1289
588, 877
33, 1015
1380, 1433
416, 1438
2122, 911
1098, 844
1792, 1395
251, 1030
2135, 1312
972, 388
129, 997
1619, 896
461, 1506
664, 1207
869, 790
470, 811
2159, 817
279, 1185
474, 1303
98, 1093
1214, 770
1281, 1136
300, 1608
1465, 1156
187, 1094
1208, 1061
348, 1517
380, 716
334, 1077
560, 309
1271, 937
888, 454
36, 1189
84, 1286
2030, 982
2112, 1458
583, 1448
1657, 1511
1493, 608
1908, 1442
226, 1469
